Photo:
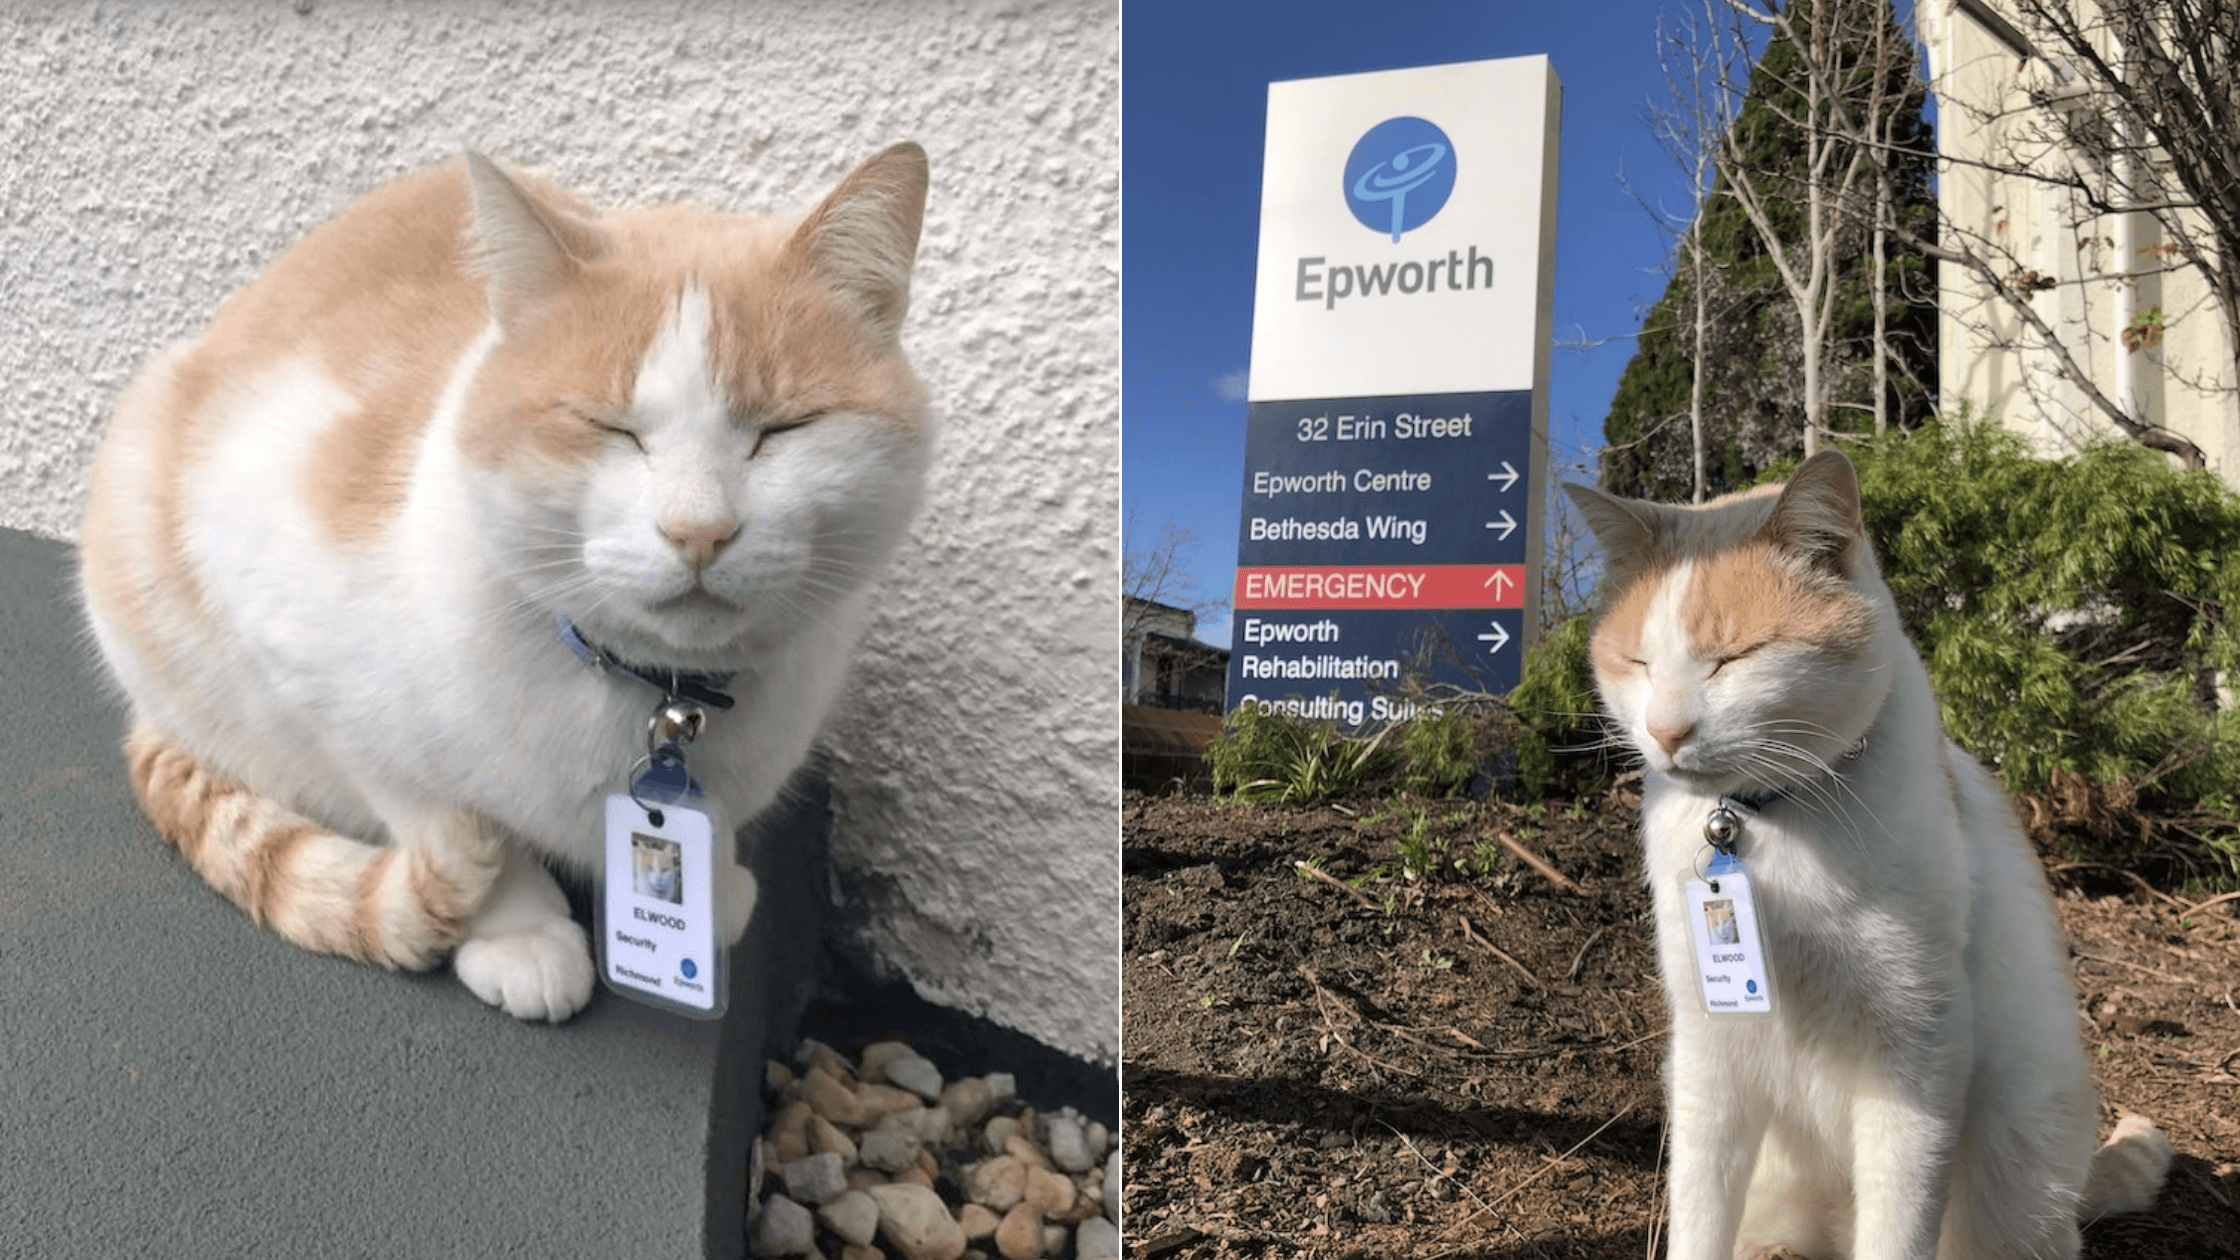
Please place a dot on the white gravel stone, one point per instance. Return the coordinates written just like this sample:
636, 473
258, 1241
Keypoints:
1112, 1189
1019, 1237
933, 1125
875, 1057
788, 1132
999, 1182
853, 1215
826, 1136
813, 1053
1051, 1192
999, 1132
879, 1100
1022, 1148
917, 1074
831, 1097
916, 1221
814, 1178
1068, 1145
1097, 1239
888, 1149
783, 1228
1100, 1139
968, 1100
1001, 1085
977, 1221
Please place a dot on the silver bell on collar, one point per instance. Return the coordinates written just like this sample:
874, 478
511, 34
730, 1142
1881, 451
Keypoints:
1722, 828
676, 724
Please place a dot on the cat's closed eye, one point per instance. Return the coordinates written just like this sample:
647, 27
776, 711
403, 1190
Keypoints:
776, 427
592, 417
1732, 655
618, 430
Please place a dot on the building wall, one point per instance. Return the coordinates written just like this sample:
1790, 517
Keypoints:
159, 155
1986, 361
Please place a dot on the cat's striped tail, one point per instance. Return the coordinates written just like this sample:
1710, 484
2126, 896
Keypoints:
400, 905
2127, 1170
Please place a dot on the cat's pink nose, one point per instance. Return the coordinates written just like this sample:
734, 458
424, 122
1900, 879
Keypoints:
1670, 738
699, 541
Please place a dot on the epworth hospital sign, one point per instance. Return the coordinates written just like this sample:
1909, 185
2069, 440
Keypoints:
1396, 450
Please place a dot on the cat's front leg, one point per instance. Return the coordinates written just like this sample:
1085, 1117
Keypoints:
1717, 1126
1906, 1110
1902, 1151
524, 953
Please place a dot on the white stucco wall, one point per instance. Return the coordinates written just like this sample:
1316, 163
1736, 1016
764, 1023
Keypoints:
157, 156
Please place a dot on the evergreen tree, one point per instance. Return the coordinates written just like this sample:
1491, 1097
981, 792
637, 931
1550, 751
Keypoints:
1755, 406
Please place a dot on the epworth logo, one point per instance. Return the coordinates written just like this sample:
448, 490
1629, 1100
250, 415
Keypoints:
1399, 175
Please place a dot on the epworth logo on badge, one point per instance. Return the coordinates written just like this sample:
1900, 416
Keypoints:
657, 911
1730, 954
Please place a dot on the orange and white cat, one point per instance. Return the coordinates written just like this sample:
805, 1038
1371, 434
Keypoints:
330, 539
1919, 1089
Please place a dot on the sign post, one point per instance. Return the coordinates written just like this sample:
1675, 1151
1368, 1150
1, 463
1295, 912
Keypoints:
1396, 448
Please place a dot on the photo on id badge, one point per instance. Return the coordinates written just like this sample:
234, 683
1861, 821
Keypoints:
657, 868
1719, 917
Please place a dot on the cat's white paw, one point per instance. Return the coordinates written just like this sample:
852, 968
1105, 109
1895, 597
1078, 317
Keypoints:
542, 973
739, 892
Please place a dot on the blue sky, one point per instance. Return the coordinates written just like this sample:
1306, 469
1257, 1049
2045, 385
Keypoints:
1195, 76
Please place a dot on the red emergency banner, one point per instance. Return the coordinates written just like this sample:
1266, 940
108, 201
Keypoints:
1381, 586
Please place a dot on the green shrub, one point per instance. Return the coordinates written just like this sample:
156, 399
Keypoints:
1559, 736
1277, 757
2072, 614
1440, 753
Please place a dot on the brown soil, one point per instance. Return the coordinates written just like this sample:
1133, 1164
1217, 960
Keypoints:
1306, 1075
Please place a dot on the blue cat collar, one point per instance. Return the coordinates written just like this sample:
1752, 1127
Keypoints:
677, 684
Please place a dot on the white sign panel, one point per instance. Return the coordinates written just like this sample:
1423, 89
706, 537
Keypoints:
1407, 232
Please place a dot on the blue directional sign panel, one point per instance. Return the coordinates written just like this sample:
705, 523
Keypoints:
1379, 536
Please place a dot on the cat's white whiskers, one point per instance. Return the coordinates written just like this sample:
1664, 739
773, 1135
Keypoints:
1806, 775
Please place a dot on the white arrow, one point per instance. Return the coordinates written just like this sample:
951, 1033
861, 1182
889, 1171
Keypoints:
1508, 478
1499, 638
1499, 582
1506, 524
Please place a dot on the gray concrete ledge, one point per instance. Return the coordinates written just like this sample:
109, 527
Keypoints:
175, 1082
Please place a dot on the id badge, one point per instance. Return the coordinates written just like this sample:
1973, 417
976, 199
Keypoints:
1731, 966
658, 909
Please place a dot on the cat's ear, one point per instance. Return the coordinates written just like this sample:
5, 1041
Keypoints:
1626, 528
1817, 517
863, 238
522, 245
